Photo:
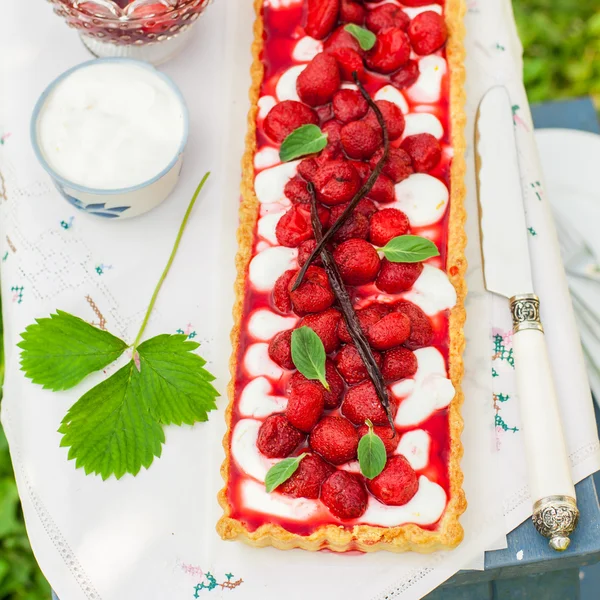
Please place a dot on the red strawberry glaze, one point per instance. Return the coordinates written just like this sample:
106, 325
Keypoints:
283, 29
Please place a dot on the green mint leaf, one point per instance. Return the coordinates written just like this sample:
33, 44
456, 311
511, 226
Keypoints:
175, 385
59, 351
364, 37
309, 355
282, 471
409, 249
110, 430
371, 453
307, 139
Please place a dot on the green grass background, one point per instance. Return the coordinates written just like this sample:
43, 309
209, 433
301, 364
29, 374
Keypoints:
562, 59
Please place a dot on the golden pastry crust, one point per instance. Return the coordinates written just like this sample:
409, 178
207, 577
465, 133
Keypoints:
367, 538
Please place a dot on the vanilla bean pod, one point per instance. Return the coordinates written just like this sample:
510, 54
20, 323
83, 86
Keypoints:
352, 322
362, 192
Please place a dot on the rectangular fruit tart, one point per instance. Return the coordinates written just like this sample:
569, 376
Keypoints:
344, 417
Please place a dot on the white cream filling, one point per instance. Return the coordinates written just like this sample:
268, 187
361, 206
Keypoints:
266, 267
423, 123
428, 87
245, 452
423, 198
306, 49
432, 291
414, 446
394, 95
256, 399
262, 245
286, 86
281, 3
265, 324
413, 11
266, 157
257, 362
269, 184
265, 104
424, 508
432, 389
267, 225
256, 498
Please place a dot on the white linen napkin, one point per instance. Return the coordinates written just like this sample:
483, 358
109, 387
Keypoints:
153, 536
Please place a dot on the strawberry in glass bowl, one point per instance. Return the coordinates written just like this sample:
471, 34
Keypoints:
150, 30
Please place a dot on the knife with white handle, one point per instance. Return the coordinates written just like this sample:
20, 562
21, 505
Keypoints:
507, 271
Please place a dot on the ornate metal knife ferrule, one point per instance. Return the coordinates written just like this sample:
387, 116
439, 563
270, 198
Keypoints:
525, 310
555, 517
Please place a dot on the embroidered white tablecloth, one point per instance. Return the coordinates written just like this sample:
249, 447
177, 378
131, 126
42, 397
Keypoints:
153, 536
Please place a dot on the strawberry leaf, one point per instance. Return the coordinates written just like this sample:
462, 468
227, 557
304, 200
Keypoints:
371, 453
61, 350
364, 37
307, 139
280, 472
117, 427
109, 430
409, 249
175, 385
308, 354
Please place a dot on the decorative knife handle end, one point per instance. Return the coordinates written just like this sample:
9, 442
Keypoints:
525, 310
555, 517
555, 512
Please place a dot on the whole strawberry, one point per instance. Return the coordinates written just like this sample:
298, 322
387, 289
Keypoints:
335, 439
287, 116
387, 16
280, 349
398, 363
392, 117
398, 165
281, 294
359, 140
314, 293
332, 396
406, 75
362, 403
427, 32
357, 261
305, 405
349, 105
277, 438
321, 17
336, 182
306, 482
319, 81
351, 365
391, 51
390, 331
424, 150
396, 484
387, 224
325, 325
305, 249
352, 12
394, 277
344, 495
421, 331
366, 317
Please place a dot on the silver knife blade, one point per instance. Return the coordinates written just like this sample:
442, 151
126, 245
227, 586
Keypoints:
506, 265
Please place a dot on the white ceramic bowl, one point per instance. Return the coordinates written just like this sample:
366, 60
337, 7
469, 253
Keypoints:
114, 203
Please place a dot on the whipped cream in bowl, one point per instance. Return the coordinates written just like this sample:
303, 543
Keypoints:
111, 134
